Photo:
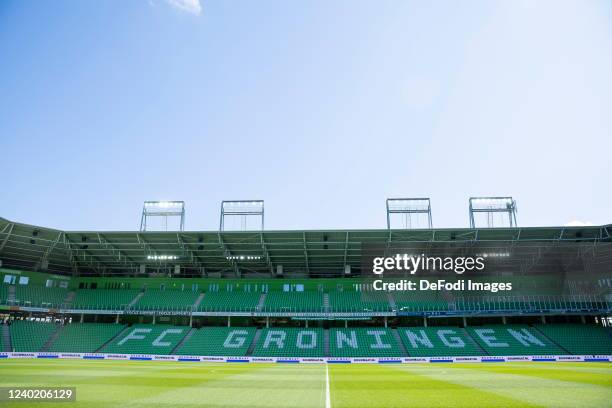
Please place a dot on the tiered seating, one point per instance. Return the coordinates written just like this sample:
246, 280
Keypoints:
103, 299
438, 341
39, 296
229, 301
354, 301
496, 340
363, 342
290, 342
579, 338
3, 293
512, 340
296, 302
218, 341
147, 339
155, 299
30, 336
84, 337
419, 301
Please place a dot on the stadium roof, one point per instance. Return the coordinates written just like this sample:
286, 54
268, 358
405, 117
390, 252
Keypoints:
235, 253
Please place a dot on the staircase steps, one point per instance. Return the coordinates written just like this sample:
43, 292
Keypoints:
326, 342
474, 342
180, 343
10, 298
6, 338
326, 302
399, 341
136, 299
551, 340
69, 299
52, 338
112, 338
198, 301
262, 301
254, 342
391, 300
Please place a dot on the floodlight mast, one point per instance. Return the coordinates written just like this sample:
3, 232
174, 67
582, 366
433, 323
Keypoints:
241, 208
491, 206
409, 207
163, 209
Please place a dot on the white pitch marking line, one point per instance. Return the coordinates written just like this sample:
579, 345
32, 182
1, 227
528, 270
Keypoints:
327, 399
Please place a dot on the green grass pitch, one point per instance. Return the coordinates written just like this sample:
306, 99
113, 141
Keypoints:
178, 384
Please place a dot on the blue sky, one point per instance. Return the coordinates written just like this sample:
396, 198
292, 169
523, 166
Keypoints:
323, 109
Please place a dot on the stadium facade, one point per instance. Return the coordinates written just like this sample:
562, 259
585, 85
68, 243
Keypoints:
284, 294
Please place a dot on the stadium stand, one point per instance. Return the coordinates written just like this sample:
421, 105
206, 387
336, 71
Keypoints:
290, 342
419, 301
355, 301
3, 294
363, 342
147, 339
513, 340
579, 338
229, 301
103, 299
296, 302
438, 341
29, 335
39, 296
218, 341
494, 340
156, 299
85, 337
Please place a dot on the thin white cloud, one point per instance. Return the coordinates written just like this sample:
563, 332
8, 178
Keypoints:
577, 223
188, 6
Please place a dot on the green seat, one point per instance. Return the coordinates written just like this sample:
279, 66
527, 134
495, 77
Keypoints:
147, 339
513, 340
230, 301
357, 301
3, 293
29, 335
294, 302
290, 342
363, 342
579, 338
438, 341
103, 299
218, 341
84, 337
156, 299
39, 296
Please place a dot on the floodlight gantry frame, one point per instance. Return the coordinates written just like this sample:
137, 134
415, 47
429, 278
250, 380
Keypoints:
410, 206
164, 209
244, 208
492, 205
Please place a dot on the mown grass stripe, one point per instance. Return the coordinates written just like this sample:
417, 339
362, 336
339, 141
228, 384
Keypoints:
521, 386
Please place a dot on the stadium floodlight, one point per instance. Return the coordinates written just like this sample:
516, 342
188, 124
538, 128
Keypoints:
244, 257
163, 209
412, 211
244, 210
162, 257
496, 211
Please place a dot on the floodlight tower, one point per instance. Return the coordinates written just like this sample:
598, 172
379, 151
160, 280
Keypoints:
243, 209
409, 208
492, 206
163, 209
